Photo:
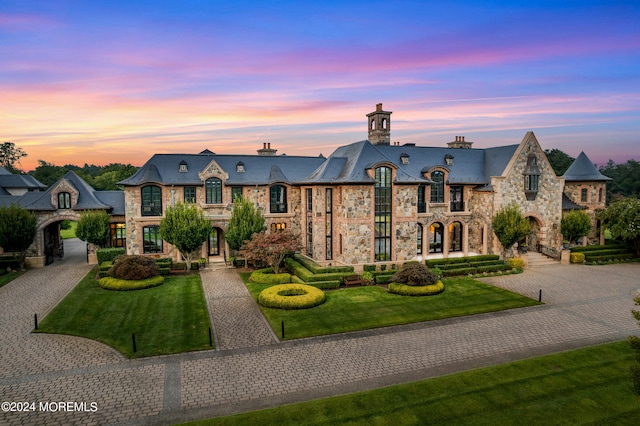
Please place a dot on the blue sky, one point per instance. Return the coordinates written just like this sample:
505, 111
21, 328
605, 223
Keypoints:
101, 82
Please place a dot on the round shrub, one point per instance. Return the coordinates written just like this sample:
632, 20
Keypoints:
291, 296
266, 276
413, 290
576, 258
131, 267
414, 273
110, 283
516, 263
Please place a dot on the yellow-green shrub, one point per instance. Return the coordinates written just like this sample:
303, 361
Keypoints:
576, 258
110, 283
516, 263
412, 290
291, 296
266, 276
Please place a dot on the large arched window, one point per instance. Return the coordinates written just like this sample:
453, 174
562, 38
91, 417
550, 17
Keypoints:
382, 204
437, 187
278, 199
213, 191
151, 201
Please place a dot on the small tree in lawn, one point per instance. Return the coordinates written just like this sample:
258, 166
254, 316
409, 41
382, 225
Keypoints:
271, 248
510, 226
93, 227
245, 221
185, 226
18, 228
622, 218
575, 224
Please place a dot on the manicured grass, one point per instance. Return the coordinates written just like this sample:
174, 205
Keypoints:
69, 233
586, 386
361, 308
7, 278
167, 319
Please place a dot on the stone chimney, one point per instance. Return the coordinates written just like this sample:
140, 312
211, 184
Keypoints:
267, 150
460, 143
379, 124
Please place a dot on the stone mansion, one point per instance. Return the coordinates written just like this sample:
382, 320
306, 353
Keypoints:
369, 201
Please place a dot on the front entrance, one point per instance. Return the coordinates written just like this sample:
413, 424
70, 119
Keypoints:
215, 240
53, 245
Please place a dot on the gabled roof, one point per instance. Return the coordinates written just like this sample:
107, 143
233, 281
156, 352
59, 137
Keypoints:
28, 182
582, 169
87, 199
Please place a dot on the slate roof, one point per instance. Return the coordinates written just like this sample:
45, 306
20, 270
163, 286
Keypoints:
10, 180
568, 204
582, 169
259, 170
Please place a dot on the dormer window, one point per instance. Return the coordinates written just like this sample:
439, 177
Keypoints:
240, 167
448, 160
531, 178
183, 166
404, 158
64, 200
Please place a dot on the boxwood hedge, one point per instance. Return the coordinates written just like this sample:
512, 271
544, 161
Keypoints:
291, 296
415, 290
110, 283
266, 276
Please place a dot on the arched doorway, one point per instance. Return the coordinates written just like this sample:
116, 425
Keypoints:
534, 239
455, 236
436, 233
215, 245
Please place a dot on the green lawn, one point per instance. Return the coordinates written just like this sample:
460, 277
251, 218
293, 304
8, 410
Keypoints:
7, 278
167, 319
361, 308
584, 387
69, 233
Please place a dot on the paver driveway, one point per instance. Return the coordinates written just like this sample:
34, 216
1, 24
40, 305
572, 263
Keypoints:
584, 305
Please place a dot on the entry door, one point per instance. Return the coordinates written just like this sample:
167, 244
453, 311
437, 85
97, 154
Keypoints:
214, 242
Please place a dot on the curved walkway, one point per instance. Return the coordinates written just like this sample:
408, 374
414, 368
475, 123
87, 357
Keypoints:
584, 306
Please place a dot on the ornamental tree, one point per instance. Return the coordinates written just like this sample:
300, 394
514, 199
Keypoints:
510, 226
185, 226
271, 248
18, 228
622, 218
93, 227
245, 221
415, 273
575, 224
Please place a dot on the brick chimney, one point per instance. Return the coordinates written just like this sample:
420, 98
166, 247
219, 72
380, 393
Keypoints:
267, 150
379, 124
460, 143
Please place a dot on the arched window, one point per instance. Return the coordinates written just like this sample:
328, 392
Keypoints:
278, 199
436, 232
152, 241
383, 206
64, 200
151, 200
437, 187
419, 238
213, 191
455, 236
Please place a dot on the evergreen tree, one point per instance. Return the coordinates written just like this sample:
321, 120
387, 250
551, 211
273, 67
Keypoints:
245, 221
18, 228
185, 226
559, 160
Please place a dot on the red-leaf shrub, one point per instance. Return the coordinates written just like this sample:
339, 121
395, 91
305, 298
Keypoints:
131, 267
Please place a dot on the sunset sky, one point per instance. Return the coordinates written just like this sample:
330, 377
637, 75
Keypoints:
102, 82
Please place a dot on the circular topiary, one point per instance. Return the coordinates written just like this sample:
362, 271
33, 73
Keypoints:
291, 296
414, 273
132, 267
416, 290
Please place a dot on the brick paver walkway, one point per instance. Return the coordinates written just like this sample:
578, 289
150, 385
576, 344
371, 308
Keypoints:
584, 306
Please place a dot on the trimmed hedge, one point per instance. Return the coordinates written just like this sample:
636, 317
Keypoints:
110, 283
597, 247
326, 285
439, 262
266, 276
414, 290
605, 258
458, 271
291, 296
317, 269
108, 254
383, 278
309, 277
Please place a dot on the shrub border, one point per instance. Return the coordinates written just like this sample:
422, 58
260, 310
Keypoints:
110, 283
416, 290
272, 297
